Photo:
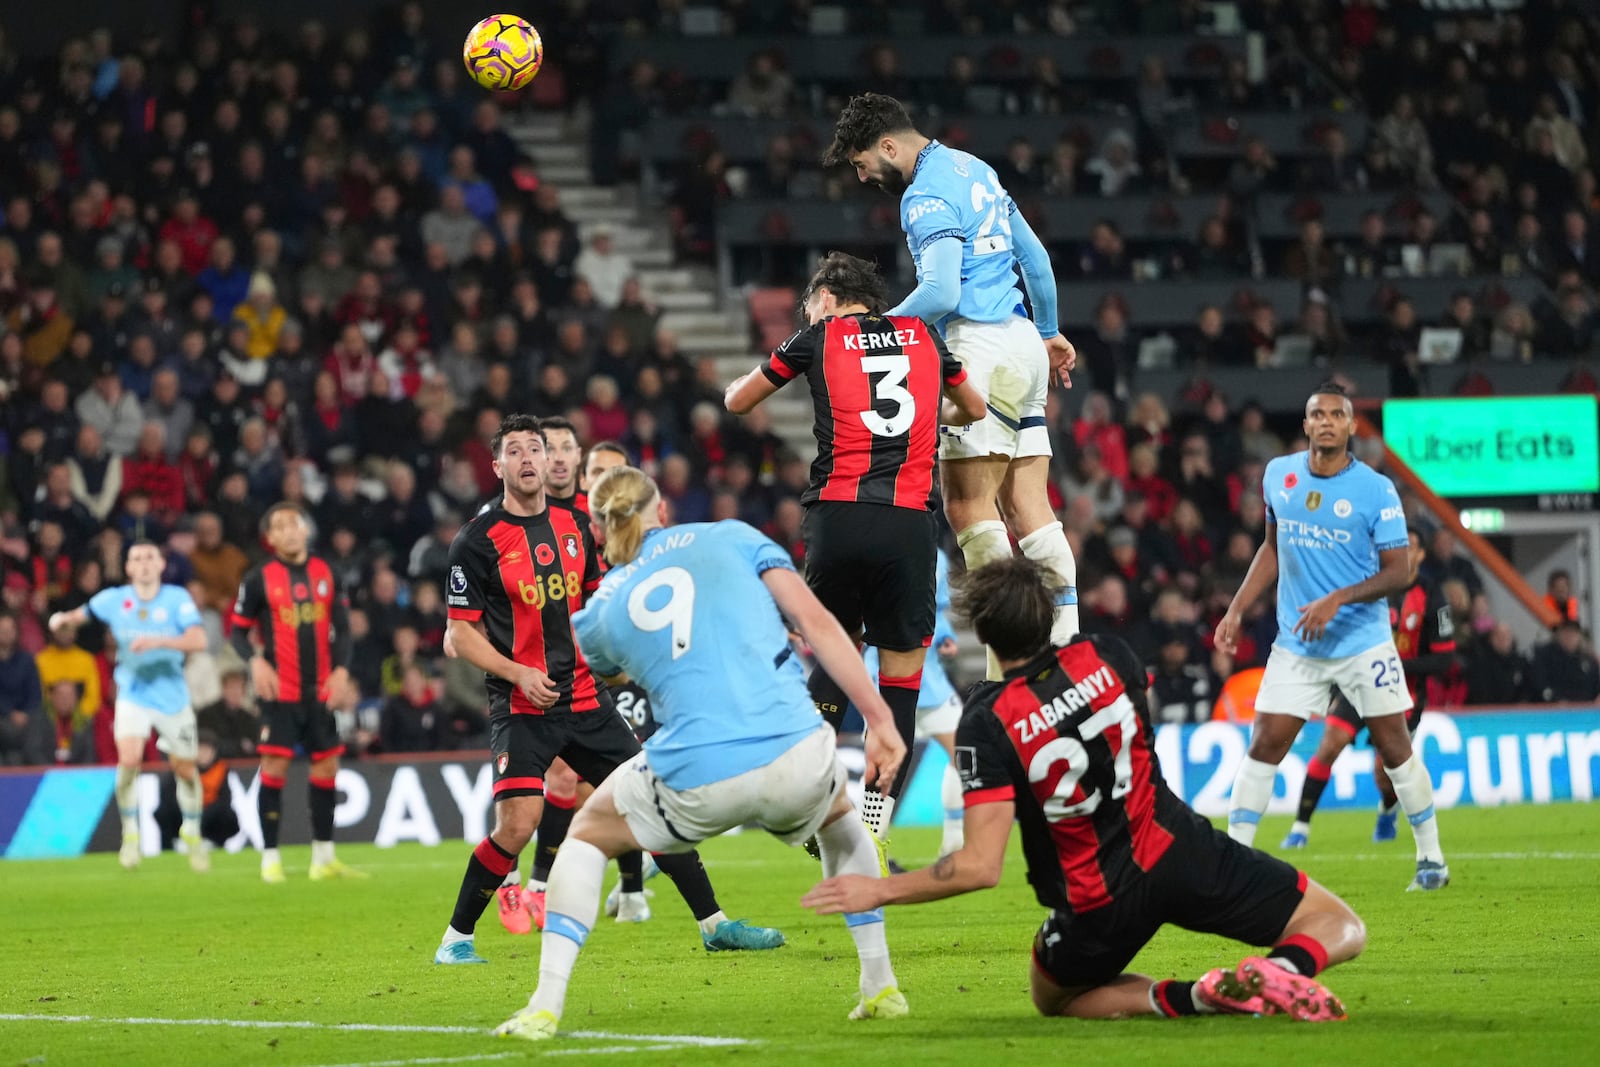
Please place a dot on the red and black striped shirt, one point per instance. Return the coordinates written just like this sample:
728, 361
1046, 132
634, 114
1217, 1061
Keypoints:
876, 384
1067, 738
1424, 635
303, 614
524, 577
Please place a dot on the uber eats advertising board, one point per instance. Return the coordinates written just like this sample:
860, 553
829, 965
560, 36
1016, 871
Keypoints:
1498, 446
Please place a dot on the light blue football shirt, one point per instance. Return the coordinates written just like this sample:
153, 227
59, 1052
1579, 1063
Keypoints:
1330, 531
936, 686
154, 679
956, 194
691, 622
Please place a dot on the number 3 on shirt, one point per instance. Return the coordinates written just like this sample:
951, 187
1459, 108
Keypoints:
677, 612
892, 389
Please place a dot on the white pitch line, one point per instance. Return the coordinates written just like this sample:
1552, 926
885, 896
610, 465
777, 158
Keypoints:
1478, 857
678, 1040
606, 1050
426, 1060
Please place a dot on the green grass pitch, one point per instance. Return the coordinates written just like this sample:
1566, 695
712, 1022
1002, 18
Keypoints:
161, 966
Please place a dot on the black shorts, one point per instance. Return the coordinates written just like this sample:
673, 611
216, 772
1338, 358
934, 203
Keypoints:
306, 726
873, 567
1344, 716
1206, 882
594, 743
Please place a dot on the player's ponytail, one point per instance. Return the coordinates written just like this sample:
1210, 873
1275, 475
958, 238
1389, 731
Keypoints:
623, 500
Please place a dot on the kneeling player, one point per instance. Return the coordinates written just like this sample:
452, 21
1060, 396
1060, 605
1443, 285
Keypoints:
693, 614
1063, 744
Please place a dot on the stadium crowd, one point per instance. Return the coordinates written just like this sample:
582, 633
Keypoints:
236, 269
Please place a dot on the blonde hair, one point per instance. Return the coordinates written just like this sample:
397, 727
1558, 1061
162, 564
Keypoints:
620, 500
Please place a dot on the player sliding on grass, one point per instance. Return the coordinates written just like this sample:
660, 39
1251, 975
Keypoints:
1425, 635
1063, 744
692, 614
1336, 546
155, 626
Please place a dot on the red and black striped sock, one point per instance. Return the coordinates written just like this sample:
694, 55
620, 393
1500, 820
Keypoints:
554, 823
1317, 774
486, 869
1174, 999
1303, 955
269, 807
322, 803
901, 696
631, 866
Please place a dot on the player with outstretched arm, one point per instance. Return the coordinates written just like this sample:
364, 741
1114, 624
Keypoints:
1063, 745
693, 615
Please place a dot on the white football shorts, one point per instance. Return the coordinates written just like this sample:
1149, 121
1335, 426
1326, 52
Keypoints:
789, 797
939, 719
1007, 363
1374, 682
176, 734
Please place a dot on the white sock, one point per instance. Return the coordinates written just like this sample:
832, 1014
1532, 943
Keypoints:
453, 936
1252, 788
533, 886
514, 877
1048, 547
573, 901
1389, 809
954, 814
1199, 1002
1415, 791
189, 801
269, 856
128, 799
1301, 828
709, 924
847, 848
980, 543
321, 853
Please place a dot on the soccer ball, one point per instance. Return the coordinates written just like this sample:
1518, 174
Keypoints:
503, 53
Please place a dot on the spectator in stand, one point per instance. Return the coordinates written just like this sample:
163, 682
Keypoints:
26, 737
75, 736
1445, 561
218, 821
606, 269
219, 565
1091, 480
413, 719
96, 475
64, 661
1497, 673
150, 471
112, 410
1558, 595
1564, 669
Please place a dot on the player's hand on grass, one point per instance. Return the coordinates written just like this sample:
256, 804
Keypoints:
843, 894
1063, 358
337, 679
1227, 635
884, 756
264, 678
1315, 616
536, 686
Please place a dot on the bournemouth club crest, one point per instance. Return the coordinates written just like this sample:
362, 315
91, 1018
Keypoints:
501, 761
569, 543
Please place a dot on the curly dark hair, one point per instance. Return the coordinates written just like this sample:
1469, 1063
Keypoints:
514, 423
863, 122
850, 280
1009, 603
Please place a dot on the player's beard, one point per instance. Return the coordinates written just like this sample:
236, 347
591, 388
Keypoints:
891, 183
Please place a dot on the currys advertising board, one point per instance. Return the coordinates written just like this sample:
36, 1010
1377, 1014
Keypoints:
1481, 758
